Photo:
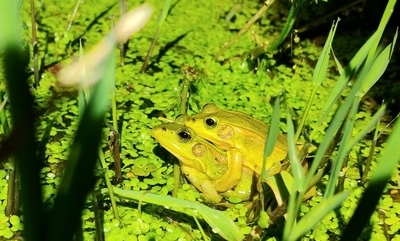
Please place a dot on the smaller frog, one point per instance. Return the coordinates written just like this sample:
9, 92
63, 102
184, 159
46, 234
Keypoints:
242, 136
201, 162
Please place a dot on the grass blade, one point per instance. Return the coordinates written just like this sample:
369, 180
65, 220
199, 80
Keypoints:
382, 25
15, 62
332, 129
339, 159
291, 18
219, 221
298, 189
161, 19
271, 138
354, 65
385, 167
379, 67
316, 214
338, 65
375, 119
369, 76
318, 76
297, 168
78, 179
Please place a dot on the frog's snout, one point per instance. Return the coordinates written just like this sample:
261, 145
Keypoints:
191, 120
156, 131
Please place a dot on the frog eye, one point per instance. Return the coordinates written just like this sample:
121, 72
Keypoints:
211, 122
184, 135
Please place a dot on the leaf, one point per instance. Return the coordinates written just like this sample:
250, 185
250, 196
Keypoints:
282, 185
385, 167
271, 138
316, 214
220, 222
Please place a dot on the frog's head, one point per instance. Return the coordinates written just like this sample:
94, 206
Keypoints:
182, 142
226, 129
213, 124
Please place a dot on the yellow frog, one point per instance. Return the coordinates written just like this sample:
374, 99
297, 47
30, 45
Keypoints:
243, 137
201, 162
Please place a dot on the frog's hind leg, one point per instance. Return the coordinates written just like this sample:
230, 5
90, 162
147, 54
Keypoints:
202, 183
234, 173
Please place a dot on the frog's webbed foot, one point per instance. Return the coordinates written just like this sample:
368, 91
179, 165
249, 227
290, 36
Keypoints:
202, 182
234, 173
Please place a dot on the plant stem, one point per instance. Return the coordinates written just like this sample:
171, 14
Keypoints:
73, 15
182, 110
34, 44
340, 185
13, 186
97, 218
21, 102
260, 12
114, 142
108, 184
161, 19
371, 154
369, 161
123, 46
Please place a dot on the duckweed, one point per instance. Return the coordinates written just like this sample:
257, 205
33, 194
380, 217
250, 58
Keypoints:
141, 98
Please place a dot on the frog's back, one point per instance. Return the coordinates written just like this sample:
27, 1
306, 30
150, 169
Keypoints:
242, 120
254, 140
254, 125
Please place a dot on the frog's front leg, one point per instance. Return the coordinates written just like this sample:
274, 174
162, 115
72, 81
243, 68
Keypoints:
202, 182
234, 173
246, 187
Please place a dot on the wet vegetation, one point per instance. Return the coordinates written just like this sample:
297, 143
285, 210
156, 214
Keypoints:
78, 104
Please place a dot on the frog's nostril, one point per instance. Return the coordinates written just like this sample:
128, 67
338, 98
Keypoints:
164, 129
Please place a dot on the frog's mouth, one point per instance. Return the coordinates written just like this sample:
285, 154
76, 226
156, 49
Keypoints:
177, 151
185, 155
184, 151
165, 141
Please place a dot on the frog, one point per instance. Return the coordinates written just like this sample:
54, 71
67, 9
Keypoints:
201, 162
242, 137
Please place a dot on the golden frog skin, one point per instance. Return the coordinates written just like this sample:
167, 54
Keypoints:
201, 162
242, 136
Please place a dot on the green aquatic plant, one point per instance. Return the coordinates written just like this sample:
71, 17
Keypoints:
219, 221
140, 99
63, 219
161, 20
